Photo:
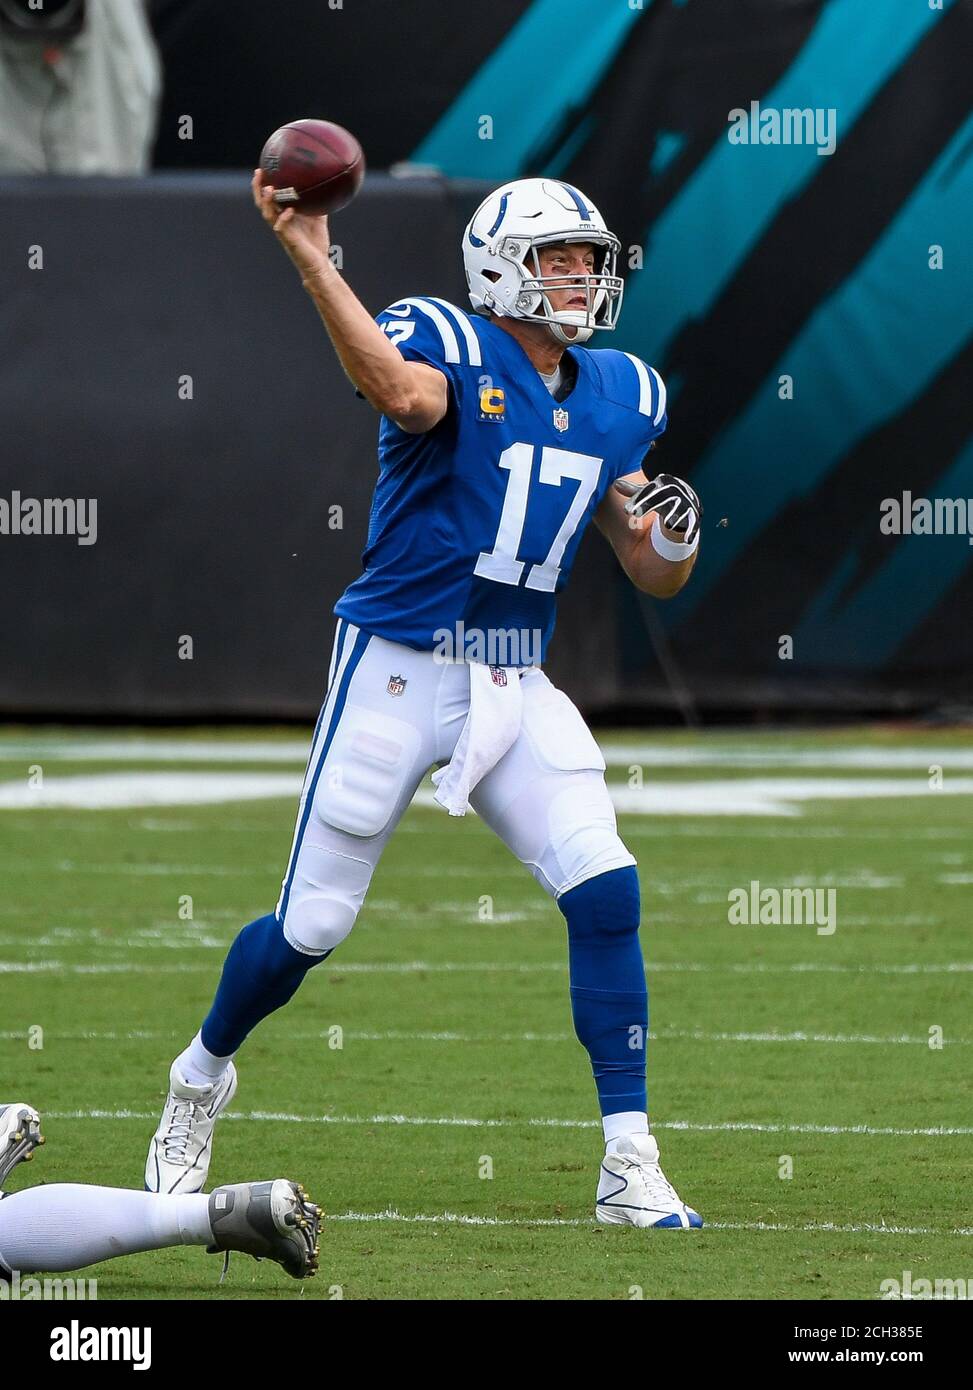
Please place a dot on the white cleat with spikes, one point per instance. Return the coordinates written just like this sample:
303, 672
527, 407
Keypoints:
634, 1191
182, 1146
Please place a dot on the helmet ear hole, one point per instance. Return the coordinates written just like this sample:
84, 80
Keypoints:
492, 275
529, 301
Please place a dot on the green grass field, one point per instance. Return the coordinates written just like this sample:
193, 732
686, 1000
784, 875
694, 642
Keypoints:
770, 1042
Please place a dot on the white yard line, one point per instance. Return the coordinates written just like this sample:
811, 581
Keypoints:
450, 1218
859, 757
400, 1035
422, 967
780, 796
72, 749
122, 790
461, 1122
767, 796
709, 751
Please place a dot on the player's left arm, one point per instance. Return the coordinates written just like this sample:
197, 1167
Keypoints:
653, 528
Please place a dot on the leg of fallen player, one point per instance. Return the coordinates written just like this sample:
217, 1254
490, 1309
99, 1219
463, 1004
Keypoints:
66, 1226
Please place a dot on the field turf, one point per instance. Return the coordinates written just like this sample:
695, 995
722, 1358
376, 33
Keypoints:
425, 1083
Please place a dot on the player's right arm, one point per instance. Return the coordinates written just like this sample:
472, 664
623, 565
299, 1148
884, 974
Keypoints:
413, 394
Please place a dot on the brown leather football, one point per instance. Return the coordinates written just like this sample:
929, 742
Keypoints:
315, 166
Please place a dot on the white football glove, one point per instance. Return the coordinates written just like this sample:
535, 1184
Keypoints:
677, 504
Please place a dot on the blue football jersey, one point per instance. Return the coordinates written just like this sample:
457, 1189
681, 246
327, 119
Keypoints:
475, 524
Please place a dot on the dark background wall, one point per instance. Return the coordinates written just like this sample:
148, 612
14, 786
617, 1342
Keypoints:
385, 68
213, 512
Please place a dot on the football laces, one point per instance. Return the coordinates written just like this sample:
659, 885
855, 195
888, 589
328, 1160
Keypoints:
177, 1135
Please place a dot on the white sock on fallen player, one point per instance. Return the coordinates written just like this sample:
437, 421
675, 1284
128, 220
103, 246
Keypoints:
65, 1226
623, 1122
199, 1066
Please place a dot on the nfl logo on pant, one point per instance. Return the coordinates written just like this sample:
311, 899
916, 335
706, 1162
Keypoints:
397, 684
498, 675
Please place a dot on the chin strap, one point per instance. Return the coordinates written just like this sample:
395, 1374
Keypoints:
581, 332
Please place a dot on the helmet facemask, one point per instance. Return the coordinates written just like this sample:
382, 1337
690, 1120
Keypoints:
602, 288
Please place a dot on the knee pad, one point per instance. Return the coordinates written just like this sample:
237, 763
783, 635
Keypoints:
603, 910
326, 897
366, 771
583, 839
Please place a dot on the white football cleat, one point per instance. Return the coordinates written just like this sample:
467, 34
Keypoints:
181, 1147
634, 1191
20, 1135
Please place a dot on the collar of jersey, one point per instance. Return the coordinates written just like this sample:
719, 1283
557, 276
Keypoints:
527, 373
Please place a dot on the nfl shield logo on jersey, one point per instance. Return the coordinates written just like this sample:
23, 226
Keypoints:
560, 419
498, 675
397, 684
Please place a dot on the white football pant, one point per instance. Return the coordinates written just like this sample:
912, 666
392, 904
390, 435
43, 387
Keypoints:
390, 715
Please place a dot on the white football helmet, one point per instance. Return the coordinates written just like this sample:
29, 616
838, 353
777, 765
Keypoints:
502, 266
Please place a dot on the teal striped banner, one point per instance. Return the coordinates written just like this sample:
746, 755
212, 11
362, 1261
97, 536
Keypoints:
550, 62
695, 247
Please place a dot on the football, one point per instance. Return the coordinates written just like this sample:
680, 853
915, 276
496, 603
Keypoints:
315, 166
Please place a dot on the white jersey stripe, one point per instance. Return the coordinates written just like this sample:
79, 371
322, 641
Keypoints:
645, 385
662, 396
466, 328
334, 654
450, 343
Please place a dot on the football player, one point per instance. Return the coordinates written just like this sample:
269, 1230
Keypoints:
62, 1226
502, 435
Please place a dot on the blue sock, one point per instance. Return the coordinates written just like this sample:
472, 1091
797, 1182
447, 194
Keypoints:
609, 999
261, 972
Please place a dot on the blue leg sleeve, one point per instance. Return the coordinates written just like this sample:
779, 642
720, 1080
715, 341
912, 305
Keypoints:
261, 973
609, 999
